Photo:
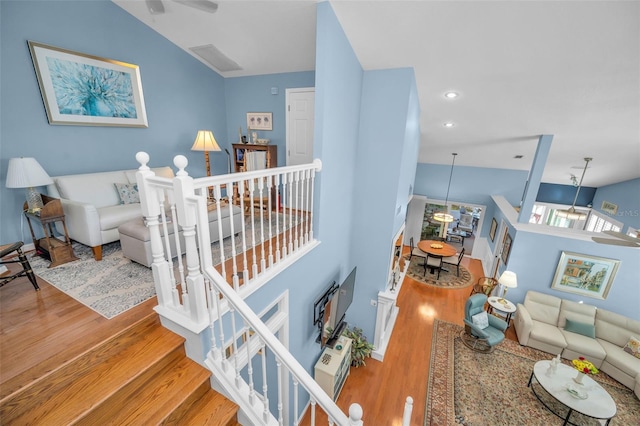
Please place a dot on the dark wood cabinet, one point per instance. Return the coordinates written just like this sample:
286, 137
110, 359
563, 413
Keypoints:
240, 154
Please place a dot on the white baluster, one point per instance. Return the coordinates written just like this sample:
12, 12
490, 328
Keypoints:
295, 402
280, 390
262, 236
272, 202
285, 185
313, 412
211, 295
291, 202
297, 209
265, 388
221, 334
278, 253
176, 237
408, 408
234, 335
252, 392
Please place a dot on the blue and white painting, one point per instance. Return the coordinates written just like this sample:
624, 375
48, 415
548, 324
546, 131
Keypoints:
83, 89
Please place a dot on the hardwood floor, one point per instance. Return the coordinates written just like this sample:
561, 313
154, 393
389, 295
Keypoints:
41, 330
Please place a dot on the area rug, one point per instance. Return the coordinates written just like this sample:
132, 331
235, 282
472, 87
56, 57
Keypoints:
471, 388
115, 284
447, 279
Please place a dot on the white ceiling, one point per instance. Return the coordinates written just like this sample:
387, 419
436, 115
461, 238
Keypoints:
523, 68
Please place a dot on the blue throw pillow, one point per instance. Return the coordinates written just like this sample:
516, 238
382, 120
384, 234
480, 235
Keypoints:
583, 328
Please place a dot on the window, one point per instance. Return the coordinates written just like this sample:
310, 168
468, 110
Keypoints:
599, 223
545, 214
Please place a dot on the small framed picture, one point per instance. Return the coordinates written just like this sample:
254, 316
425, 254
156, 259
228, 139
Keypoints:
506, 248
492, 231
609, 208
586, 275
260, 120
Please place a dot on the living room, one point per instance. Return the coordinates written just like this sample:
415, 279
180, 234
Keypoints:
183, 96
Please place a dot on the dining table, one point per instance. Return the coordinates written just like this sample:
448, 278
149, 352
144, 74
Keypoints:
437, 248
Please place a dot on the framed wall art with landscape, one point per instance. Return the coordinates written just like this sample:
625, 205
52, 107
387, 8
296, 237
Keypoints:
492, 231
586, 275
506, 248
85, 90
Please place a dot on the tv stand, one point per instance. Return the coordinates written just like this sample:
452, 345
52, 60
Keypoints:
333, 367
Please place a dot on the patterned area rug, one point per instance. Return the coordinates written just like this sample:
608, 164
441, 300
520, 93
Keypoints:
470, 388
109, 287
447, 279
115, 284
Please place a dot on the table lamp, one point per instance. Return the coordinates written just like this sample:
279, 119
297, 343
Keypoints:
26, 172
205, 141
508, 280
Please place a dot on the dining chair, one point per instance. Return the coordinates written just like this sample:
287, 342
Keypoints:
433, 263
454, 261
415, 251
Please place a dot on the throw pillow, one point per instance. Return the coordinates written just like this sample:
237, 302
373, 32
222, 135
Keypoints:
480, 320
633, 347
583, 328
128, 193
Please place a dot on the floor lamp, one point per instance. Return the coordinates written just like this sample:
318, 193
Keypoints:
205, 141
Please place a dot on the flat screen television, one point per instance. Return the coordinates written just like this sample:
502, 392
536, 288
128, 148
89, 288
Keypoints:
335, 309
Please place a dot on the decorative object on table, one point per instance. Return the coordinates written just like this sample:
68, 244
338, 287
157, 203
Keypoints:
263, 141
492, 231
86, 90
436, 246
553, 365
508, 280
506, 248
26, 172
584, 367
205, 141
444, 216
571, 213
260, 120
360, 347
586, 275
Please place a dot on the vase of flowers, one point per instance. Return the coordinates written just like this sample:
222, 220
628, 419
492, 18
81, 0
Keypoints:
584, 367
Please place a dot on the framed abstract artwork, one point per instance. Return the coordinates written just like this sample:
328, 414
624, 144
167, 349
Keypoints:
85, 90
260, 120
586, 275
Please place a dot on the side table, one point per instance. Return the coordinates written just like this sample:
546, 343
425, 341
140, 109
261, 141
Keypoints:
501, 305
57, 250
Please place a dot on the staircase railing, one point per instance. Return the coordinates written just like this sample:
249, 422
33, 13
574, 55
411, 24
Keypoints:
209, 299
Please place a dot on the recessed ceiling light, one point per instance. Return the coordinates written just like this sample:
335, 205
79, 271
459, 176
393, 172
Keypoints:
451, 95
448, 124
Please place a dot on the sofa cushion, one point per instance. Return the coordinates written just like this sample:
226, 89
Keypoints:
633, 347
615, 328
617, 357
91, 188
579, 312
543, 307
128, 193
113, 216
587, 347
165, 172
583, 328
547, 333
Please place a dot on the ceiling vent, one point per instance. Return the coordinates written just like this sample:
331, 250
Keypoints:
216, 58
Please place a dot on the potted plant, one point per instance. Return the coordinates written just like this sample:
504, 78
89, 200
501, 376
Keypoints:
360, 347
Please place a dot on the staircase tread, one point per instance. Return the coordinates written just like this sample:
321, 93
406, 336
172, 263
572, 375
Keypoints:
154, 399
211, 409
92, 376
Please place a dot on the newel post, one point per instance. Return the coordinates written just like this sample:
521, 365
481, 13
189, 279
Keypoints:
183, 189
355, 415
150, 205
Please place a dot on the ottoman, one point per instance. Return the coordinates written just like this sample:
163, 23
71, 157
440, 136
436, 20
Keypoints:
135, 238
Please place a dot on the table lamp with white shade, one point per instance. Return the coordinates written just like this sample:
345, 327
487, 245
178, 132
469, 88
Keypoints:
205, 141
508, 280
26, 172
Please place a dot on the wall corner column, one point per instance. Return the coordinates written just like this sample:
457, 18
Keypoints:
535, 176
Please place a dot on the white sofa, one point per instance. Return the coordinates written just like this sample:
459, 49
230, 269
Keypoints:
544, 322
92, 206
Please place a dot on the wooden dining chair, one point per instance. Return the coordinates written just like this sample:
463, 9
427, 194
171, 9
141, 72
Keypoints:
415, 251
433, 263
455, 261
20, 258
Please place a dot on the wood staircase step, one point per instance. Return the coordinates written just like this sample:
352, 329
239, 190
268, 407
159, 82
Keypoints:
139, 376
210, 409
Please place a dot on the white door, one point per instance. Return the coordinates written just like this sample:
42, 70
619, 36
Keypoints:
300, 121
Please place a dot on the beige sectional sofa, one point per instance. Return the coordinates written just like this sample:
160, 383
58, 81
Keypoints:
572, 329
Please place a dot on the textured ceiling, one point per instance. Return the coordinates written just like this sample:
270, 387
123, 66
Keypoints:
570, 69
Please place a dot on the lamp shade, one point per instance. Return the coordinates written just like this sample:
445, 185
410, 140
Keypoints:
205, 141
508, 279
26, 172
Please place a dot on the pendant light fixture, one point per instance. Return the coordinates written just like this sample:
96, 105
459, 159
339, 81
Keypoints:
571, 212
445, 216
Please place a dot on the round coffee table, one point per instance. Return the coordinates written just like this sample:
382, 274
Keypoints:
591, 398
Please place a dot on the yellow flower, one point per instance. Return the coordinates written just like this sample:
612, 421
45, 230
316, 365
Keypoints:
584, 366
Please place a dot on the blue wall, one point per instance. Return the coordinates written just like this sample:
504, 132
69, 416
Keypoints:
253, 94
181, 96
564, 194
626, 195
